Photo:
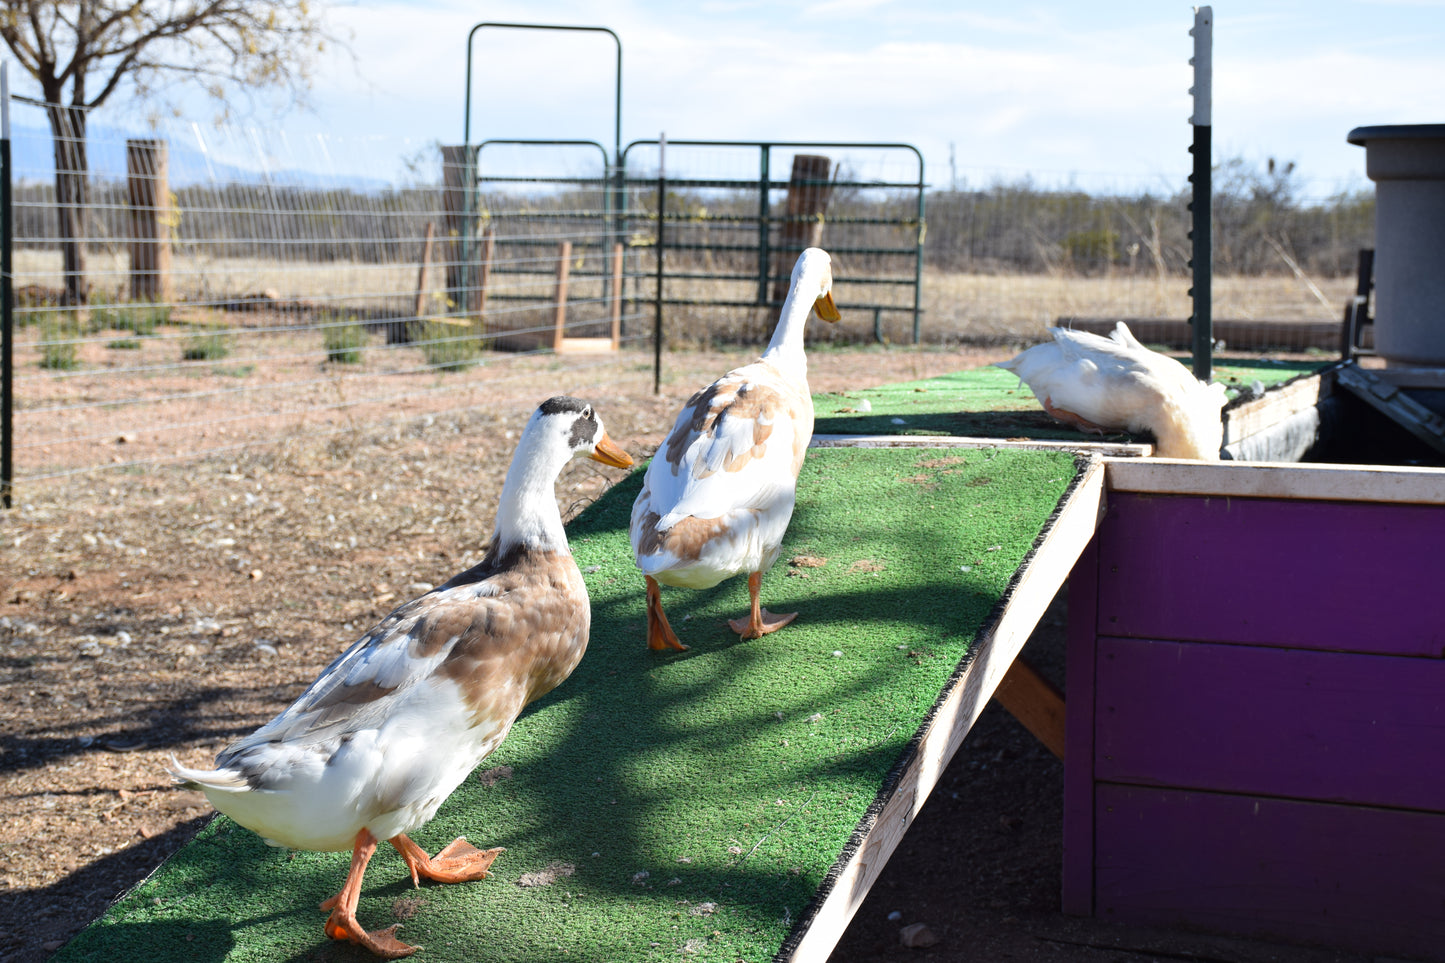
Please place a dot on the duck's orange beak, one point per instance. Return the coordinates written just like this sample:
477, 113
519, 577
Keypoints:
609, 453
826, 309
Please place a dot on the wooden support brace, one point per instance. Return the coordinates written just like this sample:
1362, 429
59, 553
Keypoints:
421, 274
489, 245
564, 265
1034, 701
616, 296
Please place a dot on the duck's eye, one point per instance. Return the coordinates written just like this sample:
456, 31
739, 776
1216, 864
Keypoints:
587, 413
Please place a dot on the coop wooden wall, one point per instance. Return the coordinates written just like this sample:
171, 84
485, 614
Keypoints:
1256, 702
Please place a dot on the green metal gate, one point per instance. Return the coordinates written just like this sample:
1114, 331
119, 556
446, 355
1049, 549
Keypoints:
876, 237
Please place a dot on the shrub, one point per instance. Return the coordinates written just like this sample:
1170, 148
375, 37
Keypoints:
447, 346
344, 341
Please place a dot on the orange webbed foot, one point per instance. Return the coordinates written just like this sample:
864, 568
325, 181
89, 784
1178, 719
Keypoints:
760, 621
342, 924
383, 943
459, 862
765, 623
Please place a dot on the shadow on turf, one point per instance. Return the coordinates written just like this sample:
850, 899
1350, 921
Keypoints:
33, 917
165, 722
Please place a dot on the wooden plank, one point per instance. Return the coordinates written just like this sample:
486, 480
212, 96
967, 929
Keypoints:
1364, 878
1035, 702
564, 266
1078, 876
1356, 483
1340, 576
489, 247
1327, 726
954, 714
1275, 406
616, 306
586, 346
421, 274
964, 441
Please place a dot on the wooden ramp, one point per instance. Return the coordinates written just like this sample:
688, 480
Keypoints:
735, 801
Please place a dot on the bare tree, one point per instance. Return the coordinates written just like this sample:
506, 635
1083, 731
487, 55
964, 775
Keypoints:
82, 51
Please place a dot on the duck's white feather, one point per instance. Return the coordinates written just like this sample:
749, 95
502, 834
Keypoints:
1117, 384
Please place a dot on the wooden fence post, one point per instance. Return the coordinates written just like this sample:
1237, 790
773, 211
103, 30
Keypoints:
147, 168
457, 191
489, 241
809, 190
564, 264
616, 296
421, 274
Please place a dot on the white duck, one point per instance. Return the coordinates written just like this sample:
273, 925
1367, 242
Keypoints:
1103, 384
718, 495
387, 732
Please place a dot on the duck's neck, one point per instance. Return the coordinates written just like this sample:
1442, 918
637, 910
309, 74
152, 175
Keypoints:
785, 351
527, 512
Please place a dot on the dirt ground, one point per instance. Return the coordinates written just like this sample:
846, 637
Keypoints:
145, 613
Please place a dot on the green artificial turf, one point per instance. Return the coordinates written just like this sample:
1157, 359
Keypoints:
685, 802
990, 402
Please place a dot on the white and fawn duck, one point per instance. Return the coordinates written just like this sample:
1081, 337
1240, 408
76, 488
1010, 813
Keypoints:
387, 732
719, 493
1100, 384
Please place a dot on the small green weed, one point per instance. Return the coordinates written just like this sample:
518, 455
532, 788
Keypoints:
206, 347
57, 350
123, 344
140, 317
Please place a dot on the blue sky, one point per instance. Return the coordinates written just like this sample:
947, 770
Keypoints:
1094, 92
1097, 91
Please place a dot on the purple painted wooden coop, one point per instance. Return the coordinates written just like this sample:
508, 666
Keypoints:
1256, 705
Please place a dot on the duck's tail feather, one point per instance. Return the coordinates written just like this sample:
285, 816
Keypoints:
218, 780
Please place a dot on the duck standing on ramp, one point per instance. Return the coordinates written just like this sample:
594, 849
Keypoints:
718, 495
379, 741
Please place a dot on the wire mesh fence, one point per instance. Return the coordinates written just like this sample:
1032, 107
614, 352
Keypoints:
206, 289
191, 289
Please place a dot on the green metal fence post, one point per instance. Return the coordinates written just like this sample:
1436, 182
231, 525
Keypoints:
918, 259
661, 228
7, 302
765, 255
1201, 233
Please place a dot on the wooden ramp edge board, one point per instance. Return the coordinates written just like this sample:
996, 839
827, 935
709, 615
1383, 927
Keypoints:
1276, 405
958, 707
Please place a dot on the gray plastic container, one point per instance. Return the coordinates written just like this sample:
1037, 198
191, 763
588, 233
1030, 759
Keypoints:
1407, 164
